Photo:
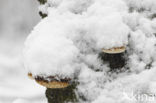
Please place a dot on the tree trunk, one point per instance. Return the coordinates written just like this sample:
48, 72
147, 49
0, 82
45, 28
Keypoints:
115, 61
62, 95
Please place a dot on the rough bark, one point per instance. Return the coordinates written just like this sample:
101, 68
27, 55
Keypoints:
115, 61
62, 95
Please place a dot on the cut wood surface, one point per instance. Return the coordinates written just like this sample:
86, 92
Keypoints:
50, 81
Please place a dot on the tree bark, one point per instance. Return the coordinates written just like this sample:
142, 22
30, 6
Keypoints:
115, 61
62, 95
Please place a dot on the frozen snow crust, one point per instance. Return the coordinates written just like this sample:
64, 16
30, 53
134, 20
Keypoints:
67, 42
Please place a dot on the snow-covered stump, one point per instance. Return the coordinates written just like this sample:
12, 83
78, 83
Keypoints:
66, 44
58, 91
115, 57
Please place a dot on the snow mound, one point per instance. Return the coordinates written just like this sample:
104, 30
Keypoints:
58, 42
67, 43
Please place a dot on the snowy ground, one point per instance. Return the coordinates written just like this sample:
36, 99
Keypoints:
16, 21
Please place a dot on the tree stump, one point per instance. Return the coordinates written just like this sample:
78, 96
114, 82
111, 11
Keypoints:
114, 57
58, 91
62, 95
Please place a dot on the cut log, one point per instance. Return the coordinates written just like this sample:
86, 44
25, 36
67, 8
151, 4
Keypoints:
114, 56
59, 90
62, 95
115, 50
51, 81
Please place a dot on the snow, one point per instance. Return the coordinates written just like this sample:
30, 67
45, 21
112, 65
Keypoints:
147, 5
75, 31
26, 101
95, 28
59, 58
67, 43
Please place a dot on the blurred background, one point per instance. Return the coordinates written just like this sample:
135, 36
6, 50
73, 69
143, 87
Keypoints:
17, 19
